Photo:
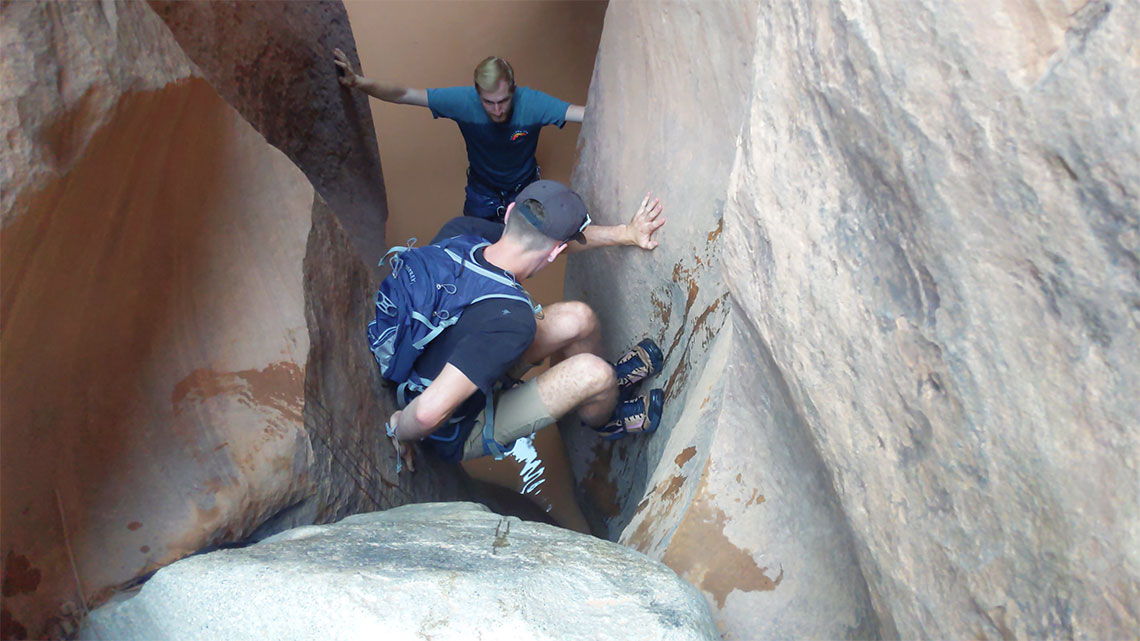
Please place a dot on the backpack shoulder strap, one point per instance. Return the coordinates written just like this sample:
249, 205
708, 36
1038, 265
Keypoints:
461, 249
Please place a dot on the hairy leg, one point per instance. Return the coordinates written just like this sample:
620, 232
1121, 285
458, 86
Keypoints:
579, 379
567, 329
582, 382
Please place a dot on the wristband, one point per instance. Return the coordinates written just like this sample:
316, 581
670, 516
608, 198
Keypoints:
390, 428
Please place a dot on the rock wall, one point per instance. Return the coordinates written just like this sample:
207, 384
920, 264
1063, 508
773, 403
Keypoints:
154, 334
272, 61
181, 321
925, 244
766, 543
346, 404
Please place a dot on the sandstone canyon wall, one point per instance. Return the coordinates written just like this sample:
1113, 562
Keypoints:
181, 318
153, 343
899, 295
271, 60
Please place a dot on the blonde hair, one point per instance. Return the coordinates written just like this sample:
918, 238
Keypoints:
489, 72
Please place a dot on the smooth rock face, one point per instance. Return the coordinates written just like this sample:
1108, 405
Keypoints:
740, 509
931, 245
938, 239
154, 335
272, 61
440, 571
182, 322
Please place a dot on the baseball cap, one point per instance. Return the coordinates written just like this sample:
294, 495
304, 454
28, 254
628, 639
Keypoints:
564, 215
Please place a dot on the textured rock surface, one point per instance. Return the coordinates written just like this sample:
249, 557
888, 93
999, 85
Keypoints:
181, 322
765, 542
154, 329
271, 60
440, 571
154, 335
346, 406
930, 241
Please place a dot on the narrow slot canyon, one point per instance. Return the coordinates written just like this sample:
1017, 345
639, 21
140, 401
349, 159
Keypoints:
897, 294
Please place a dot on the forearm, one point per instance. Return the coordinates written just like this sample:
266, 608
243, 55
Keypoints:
411, 424
439, 401
603, 236
386, 91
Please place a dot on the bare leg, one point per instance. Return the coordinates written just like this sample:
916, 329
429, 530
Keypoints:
567, 329
578, 380
584, 382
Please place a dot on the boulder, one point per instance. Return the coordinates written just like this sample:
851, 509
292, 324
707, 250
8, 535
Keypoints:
925, 249
440, 571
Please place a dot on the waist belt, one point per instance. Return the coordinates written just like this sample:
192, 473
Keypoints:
475, 179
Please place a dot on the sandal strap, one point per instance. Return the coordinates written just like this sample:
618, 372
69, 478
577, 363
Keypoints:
642, 370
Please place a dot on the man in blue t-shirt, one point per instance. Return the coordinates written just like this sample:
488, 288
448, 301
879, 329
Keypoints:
499, 122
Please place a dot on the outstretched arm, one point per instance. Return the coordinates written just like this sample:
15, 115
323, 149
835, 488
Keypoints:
575, 113
385, 91
429, 410
638, 231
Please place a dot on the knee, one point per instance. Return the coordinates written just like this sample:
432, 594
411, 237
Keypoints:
584, 320
592, 372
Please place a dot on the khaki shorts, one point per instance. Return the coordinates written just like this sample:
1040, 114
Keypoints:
519, 412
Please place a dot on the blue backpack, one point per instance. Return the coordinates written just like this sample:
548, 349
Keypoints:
426, 293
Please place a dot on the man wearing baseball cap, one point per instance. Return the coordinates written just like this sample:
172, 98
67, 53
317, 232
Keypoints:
500, 125
474, 403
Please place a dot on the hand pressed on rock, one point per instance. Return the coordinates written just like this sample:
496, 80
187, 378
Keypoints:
347, 76
404, 451
646, 222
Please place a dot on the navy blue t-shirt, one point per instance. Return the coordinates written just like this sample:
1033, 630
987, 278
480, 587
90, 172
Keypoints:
488, 339
500, 153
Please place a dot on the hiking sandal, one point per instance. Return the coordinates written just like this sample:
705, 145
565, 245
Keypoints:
638, 364
639, 415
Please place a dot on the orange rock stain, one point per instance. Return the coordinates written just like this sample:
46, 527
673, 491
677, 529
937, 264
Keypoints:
701, 553
20, 576
662, 498
279, 386
680, 374
715, 234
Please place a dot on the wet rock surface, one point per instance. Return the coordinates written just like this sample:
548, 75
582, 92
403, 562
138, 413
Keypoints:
926, 246
441, 571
